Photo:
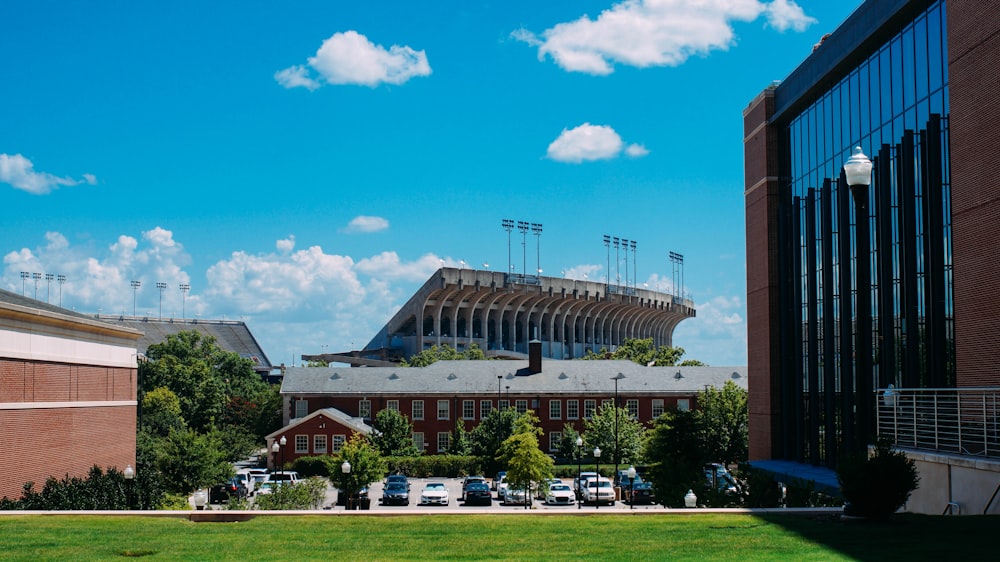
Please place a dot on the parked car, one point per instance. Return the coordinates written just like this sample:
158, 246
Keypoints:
560, 494
578, 483
232, 488
515, 496
266, 487
642, 489
470, 480
398, 479
543, 487
434, 493
284, 477
598, 491
719, 476
255, 477
358, 498
396, 493
478, 493
498, 479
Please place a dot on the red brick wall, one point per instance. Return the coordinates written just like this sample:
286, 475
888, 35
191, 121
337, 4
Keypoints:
41, 442
759, 145
974, 81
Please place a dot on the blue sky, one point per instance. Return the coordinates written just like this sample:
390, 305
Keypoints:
305, 166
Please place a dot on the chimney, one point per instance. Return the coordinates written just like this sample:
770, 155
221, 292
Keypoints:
534, 357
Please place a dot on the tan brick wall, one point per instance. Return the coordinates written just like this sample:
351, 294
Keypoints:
974, 57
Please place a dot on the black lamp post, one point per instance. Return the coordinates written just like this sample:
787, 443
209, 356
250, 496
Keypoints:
274, 454
858, 172
579, 463
129, 475
631, 487
597, 481
345, 469
282, 441
617, 454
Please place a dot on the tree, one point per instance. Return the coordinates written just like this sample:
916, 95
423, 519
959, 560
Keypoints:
188, 460
492, 431
524, 459
643, 352
459, 444
444, 353
599, 431
724, 420
161, 411
367, 465
393, 435
567, 445
676, 457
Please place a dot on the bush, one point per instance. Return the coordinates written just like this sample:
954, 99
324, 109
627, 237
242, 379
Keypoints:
445, 466
307, 494
312, 466
876, 485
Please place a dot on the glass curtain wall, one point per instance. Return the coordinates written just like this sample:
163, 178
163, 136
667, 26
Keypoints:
894, 104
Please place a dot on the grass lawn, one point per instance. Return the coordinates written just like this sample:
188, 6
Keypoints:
498, 537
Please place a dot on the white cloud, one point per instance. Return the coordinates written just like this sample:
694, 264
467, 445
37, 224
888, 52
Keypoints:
718, 335
286, 245
366, 224
644, 33
350, 58
296, 76
19, 172
590, 142
388, 265
786, 14
584, 272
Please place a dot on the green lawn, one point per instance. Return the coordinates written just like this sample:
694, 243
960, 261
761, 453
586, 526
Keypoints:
498, 537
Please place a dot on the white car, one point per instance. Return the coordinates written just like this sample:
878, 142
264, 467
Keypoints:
598, 491
560, 494
515, 496
434, 493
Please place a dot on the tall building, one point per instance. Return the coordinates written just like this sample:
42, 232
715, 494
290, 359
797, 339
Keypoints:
851, 289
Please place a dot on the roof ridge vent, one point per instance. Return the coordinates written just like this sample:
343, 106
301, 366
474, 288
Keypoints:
335, 377
678, 376
452, 376
394, 377
563, 376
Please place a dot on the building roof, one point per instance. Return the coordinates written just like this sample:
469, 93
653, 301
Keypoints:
480, 377
15, 305
334, 414
231, 335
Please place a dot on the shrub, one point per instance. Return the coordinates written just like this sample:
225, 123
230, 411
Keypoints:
312, 466
876, 485
307, 494
445, 466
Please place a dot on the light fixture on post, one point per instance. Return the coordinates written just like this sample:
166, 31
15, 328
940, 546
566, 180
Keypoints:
597, 481
858, 173
135, 287
275, 448
617, 454
283, 442
579, 464
185, 287
345, 469
129, 475
631, 487
690, 500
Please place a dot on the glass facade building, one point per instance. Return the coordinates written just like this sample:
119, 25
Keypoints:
865, 274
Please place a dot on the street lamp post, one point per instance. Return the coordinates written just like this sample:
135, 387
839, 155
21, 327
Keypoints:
579, 464
282, 441
616, 378
274, 454
129, 475
858, 172
631, 487
345, 469
597, 481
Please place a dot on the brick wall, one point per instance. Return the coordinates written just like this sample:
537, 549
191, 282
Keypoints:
974, 81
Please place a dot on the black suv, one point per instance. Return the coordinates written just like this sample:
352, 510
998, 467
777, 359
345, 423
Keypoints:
642, 490
478, 493
395, 493
469, 480
232, 488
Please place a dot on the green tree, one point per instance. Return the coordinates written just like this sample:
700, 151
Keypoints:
393, 435
443, 353
724, 420
676, 457
188, 460
643, 352
599, 431
459, 444
524, 459
487, 437
161, 411
567, 445
367, 465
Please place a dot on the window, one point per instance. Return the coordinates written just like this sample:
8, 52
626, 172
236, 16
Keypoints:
417, 407
338, 443
301, 408
468, 409
484, 408
606, 402
365, 409
504, 404
443, 411
444, 441
657, 407
319, 443
301, 443
588, 408
418, 440
633, 408
392, 405
572, 409
555, 439
555, 409
521, 405
683, 404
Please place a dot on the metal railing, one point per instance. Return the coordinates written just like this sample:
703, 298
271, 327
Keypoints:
963, 421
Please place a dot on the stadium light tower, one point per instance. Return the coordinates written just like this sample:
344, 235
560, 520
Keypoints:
678, 270
24, 276
607, 245
536, 229
60, 279
634, 271
135, 287
522, 227
36, 277
48, 286
185, 287
161, 286
508, 225
618, 262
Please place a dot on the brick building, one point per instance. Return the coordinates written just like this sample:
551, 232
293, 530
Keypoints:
840, 307
436, 397
67, 393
